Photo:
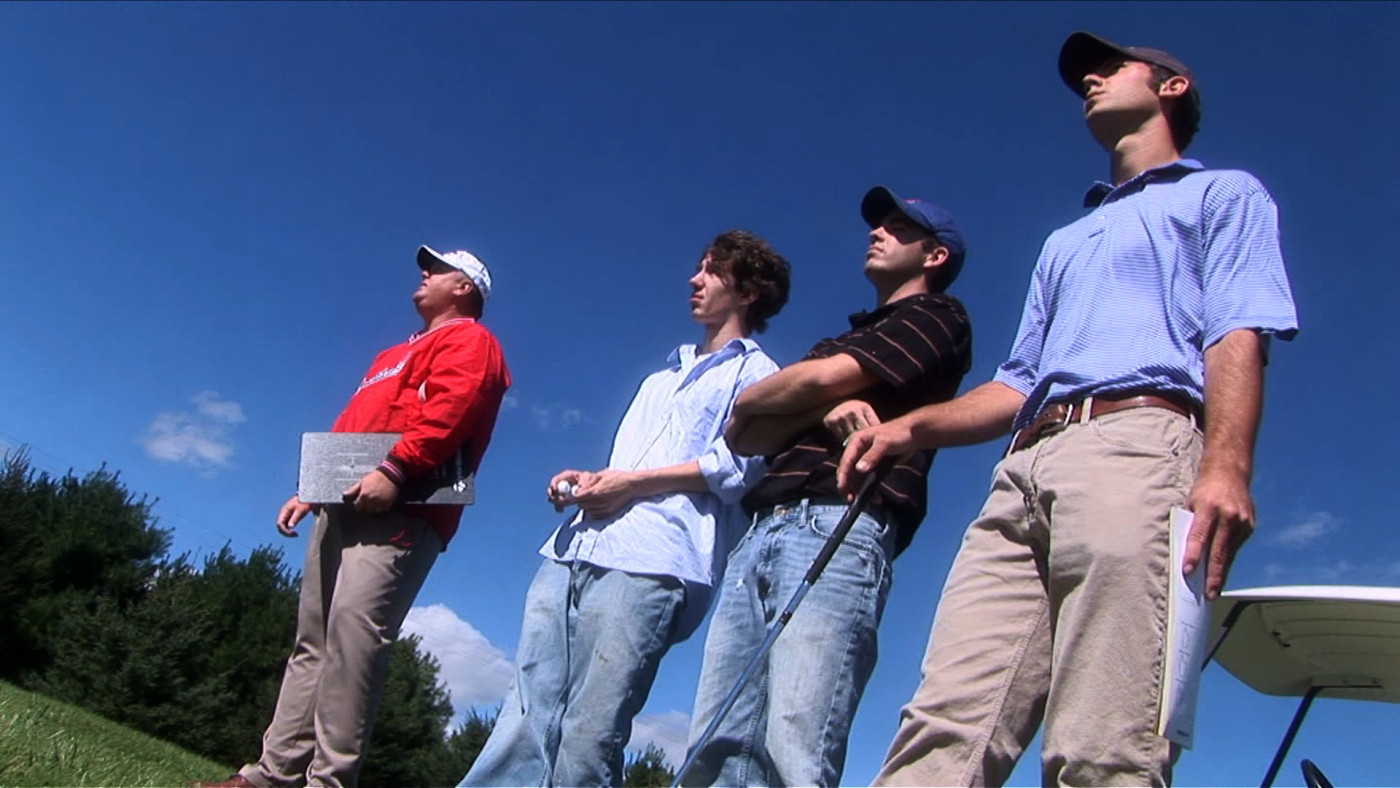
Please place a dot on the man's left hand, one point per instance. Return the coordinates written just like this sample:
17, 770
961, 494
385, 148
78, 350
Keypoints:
372, 494
1223, 519
848, 418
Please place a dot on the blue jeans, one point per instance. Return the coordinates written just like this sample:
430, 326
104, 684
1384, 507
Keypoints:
790, 723
590, 644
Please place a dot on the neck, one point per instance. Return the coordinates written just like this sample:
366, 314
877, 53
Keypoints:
718, 335
889, 294
431, 322
1131, 154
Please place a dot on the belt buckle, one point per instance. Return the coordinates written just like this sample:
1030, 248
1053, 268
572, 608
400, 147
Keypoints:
1057, 415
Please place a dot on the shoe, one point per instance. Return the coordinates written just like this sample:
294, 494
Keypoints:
236, 781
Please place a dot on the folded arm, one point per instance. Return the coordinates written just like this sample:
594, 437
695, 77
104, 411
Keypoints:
771, 412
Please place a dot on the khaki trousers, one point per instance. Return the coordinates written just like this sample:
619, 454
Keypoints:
1055, 608
356, 589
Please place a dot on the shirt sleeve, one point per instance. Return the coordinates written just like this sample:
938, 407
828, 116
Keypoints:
729, 475
1243, 281
461, 396
931, 339
1021, 369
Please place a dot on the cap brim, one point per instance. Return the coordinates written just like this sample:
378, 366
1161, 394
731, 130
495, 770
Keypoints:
877, 204
880, 201
1082, 53
427, 256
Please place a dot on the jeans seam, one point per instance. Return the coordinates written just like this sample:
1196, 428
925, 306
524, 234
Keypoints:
848, 660
751, 731
760, 569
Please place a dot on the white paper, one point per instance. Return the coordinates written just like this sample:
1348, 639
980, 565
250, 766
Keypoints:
1188, 617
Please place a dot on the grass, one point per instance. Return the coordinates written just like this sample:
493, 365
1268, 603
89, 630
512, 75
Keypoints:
47, 743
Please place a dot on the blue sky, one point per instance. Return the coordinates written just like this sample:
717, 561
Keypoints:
208, 215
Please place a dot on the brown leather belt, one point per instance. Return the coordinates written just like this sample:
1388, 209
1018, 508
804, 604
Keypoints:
1058, 415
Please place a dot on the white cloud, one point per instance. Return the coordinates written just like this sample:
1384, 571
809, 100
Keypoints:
510, 402
201, 438
1308, 529
556, 417
1273, 571
476, 672
1342, 570
667, 731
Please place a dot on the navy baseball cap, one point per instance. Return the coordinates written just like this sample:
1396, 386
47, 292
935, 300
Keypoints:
878, 203
1083, 52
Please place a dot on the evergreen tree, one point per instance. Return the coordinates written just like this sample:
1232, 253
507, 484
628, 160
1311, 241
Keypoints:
198, 661
68, 543
648, 768
465, 744
409, 746
95, 613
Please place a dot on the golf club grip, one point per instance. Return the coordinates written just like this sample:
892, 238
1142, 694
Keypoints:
857, 505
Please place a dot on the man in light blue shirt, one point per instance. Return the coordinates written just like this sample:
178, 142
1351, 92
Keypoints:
633, 571
1134, 386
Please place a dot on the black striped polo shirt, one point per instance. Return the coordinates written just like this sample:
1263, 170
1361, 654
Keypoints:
919, 347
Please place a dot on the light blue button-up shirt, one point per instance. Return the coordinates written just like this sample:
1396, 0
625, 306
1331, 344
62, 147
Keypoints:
1131, 295
677, 416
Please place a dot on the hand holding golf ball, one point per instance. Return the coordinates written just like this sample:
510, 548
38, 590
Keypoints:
564, 489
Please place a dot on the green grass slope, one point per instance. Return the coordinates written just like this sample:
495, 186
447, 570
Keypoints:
47, 743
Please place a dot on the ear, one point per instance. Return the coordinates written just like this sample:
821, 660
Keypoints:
936, 257
1174, 86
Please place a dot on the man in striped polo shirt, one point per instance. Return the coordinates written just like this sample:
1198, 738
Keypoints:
1134, 386
790, 726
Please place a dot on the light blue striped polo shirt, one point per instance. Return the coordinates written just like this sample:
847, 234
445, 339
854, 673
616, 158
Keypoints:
1129, 296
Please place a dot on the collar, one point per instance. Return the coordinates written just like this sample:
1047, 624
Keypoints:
1099, 193
864, 317
684, 355
417, 335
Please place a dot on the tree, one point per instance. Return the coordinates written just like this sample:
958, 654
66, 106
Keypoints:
465, 743
198, 661
408, 747
95, 613
649, 768
68, 543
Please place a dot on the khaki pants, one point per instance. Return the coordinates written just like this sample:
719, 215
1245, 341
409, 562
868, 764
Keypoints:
1055, 607
356, 590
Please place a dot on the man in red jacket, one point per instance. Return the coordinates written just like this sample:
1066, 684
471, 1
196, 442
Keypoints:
367, 559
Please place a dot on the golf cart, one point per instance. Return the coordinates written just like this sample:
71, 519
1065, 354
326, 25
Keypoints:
1306, 641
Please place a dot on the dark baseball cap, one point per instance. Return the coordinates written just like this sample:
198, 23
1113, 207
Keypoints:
878, 203
1083, 52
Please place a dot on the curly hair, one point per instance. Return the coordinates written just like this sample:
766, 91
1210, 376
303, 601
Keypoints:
753, 268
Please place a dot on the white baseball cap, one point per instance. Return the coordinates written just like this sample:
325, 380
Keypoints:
463, 261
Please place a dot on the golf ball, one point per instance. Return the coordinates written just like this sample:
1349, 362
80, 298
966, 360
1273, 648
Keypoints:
564, 489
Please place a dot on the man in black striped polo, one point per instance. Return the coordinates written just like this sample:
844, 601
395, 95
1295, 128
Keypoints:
791, 724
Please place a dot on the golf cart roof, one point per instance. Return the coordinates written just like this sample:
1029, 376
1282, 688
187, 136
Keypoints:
1289, 639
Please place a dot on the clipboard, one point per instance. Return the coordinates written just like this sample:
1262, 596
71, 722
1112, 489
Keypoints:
332, 461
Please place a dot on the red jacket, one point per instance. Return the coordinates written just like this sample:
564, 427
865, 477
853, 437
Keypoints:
442, 389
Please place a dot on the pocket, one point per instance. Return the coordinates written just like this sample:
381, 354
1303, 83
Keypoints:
1143, 432
866, 533
860, 560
